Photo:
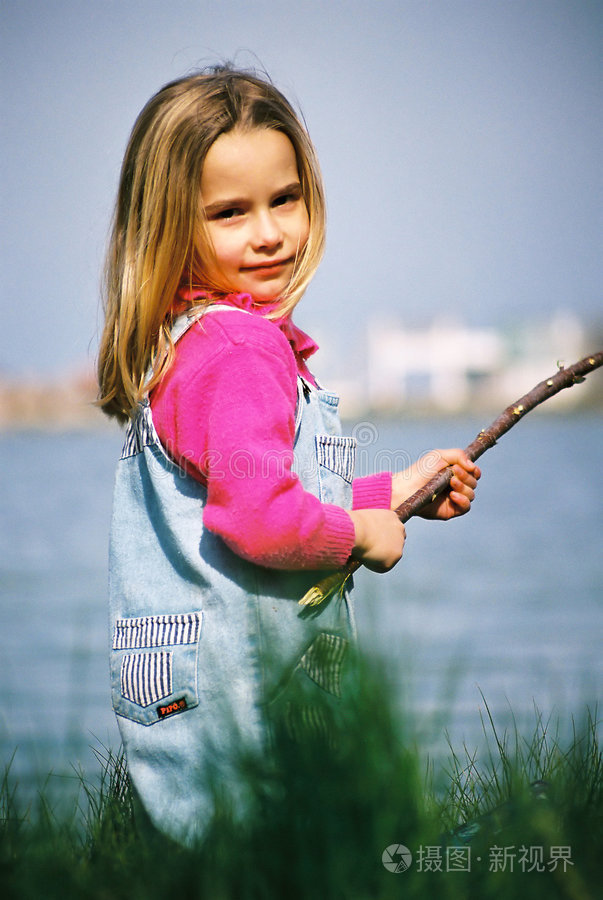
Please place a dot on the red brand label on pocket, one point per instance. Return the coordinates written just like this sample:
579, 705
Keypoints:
175, 706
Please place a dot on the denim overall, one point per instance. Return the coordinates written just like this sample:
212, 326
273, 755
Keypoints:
203, 642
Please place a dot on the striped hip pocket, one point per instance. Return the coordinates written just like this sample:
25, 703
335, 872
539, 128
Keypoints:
323, 661
154, 663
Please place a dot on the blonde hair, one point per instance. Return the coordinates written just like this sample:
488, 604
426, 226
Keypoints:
159, 239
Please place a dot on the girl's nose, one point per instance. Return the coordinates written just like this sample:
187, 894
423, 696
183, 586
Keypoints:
267, 231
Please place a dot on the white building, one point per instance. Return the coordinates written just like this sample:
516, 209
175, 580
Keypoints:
448, 366
437, 366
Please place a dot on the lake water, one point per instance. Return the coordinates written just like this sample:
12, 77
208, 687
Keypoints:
507, 601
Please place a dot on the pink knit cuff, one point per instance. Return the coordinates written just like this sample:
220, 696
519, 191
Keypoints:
372, 491
337, 538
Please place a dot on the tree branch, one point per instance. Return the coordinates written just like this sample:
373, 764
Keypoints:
487, 438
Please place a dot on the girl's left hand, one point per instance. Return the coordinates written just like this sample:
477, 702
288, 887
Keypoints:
456, 500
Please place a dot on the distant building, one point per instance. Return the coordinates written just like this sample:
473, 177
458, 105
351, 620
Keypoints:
439, 366
448, 366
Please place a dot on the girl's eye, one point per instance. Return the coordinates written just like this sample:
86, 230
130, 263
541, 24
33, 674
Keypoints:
227, 213
283, 199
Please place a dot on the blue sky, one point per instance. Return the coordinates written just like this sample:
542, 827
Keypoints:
460, 142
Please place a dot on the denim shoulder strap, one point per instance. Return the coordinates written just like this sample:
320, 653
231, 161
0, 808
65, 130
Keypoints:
182, 324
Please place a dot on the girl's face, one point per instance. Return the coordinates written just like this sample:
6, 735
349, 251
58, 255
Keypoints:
256, 215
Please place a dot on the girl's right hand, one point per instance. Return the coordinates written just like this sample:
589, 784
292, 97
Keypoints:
380, 537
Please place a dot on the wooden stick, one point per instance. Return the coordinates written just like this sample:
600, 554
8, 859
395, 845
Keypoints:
487, 438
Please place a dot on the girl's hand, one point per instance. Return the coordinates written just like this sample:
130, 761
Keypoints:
380, 538
456, 500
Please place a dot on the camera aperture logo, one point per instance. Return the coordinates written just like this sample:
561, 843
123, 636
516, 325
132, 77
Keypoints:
396, 858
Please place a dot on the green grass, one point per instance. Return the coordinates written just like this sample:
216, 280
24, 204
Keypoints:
323, 810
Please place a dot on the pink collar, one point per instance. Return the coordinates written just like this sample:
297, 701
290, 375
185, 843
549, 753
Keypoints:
302, 344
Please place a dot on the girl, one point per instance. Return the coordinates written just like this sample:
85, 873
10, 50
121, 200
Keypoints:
235, 490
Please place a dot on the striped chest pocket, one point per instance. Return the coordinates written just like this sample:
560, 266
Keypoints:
154, 664
336, 457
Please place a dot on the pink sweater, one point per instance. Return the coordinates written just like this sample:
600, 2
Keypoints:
225, 407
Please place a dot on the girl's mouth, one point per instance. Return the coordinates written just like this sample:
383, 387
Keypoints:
268, 266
